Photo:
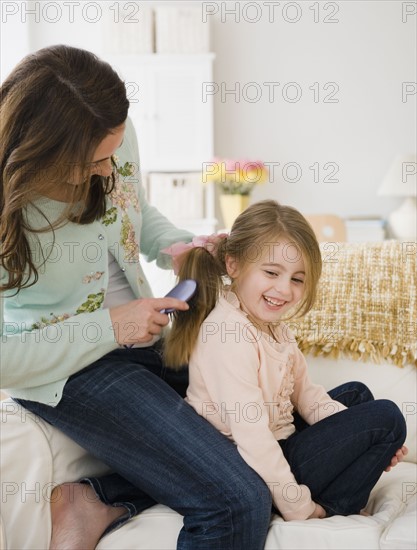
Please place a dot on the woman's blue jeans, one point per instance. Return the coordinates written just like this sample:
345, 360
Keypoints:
121, 411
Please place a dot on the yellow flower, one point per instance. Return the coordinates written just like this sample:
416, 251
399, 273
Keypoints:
235, 177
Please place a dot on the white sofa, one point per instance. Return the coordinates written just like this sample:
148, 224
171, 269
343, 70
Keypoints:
35, 458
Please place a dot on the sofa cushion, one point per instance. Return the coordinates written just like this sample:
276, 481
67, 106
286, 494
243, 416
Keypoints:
157, 528
366, 306
401, 533
386, 505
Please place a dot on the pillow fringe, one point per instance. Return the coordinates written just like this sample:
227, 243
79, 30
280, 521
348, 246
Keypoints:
366, 305
360, 350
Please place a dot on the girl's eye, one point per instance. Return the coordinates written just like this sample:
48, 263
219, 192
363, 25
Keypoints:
298, 280
271, 273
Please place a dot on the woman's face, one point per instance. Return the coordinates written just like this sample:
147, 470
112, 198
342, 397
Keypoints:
101, 164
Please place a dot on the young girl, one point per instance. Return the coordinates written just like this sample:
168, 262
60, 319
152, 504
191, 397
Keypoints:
74, 219
320, 454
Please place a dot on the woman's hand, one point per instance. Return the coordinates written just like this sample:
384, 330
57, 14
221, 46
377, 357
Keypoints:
398, 457
319, 512
140, 320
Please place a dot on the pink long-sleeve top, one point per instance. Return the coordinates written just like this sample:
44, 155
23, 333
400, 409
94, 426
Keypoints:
247, 384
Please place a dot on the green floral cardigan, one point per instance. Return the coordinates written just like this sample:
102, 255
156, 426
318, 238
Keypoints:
58, 326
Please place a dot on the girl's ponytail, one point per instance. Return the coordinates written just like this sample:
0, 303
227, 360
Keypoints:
207, 268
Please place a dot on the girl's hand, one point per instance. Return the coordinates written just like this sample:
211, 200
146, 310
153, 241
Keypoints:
140, 320
398, 457
319, 512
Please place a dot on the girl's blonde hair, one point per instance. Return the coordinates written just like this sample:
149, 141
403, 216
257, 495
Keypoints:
257, 228
56, 107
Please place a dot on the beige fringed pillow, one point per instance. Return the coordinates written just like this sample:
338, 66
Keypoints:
366, 303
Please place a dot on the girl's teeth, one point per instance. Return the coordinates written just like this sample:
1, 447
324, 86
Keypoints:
273, 302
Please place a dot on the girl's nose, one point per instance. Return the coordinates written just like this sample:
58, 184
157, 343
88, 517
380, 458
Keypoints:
283, 287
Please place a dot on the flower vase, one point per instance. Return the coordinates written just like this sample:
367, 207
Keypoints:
231, 206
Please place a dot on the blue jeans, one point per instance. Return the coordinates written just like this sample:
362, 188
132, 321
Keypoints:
122, 411
340, 458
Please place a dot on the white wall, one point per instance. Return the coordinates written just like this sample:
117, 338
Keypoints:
369, 53
14, 37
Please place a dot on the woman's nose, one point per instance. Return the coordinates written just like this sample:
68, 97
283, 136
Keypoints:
103, 168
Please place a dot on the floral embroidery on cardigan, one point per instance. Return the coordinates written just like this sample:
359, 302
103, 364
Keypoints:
110, 216
92, 303
128, 240
93, 277
124, 192
44, 322
124, 195
126, 170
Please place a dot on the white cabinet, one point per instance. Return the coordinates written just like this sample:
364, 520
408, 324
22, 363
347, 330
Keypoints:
172, 115
177, 194
174, 123
184, 199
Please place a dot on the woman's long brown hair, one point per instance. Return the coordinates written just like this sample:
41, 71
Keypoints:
56, 106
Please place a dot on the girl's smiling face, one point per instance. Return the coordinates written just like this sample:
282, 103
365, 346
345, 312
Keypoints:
272, 283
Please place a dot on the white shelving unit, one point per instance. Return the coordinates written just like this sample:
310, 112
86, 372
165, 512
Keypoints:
173, 119
174, 124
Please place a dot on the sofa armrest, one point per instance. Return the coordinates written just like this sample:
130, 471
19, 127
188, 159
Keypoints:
27, 482
35, 458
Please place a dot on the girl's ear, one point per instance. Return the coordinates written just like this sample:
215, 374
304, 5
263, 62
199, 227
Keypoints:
232, 267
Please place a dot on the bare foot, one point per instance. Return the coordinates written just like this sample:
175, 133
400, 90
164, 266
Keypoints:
364, 513
79, 517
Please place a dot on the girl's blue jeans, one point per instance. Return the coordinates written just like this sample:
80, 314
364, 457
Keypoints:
127, 410
341, 457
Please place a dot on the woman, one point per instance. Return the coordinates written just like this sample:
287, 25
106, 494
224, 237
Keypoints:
74, 219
